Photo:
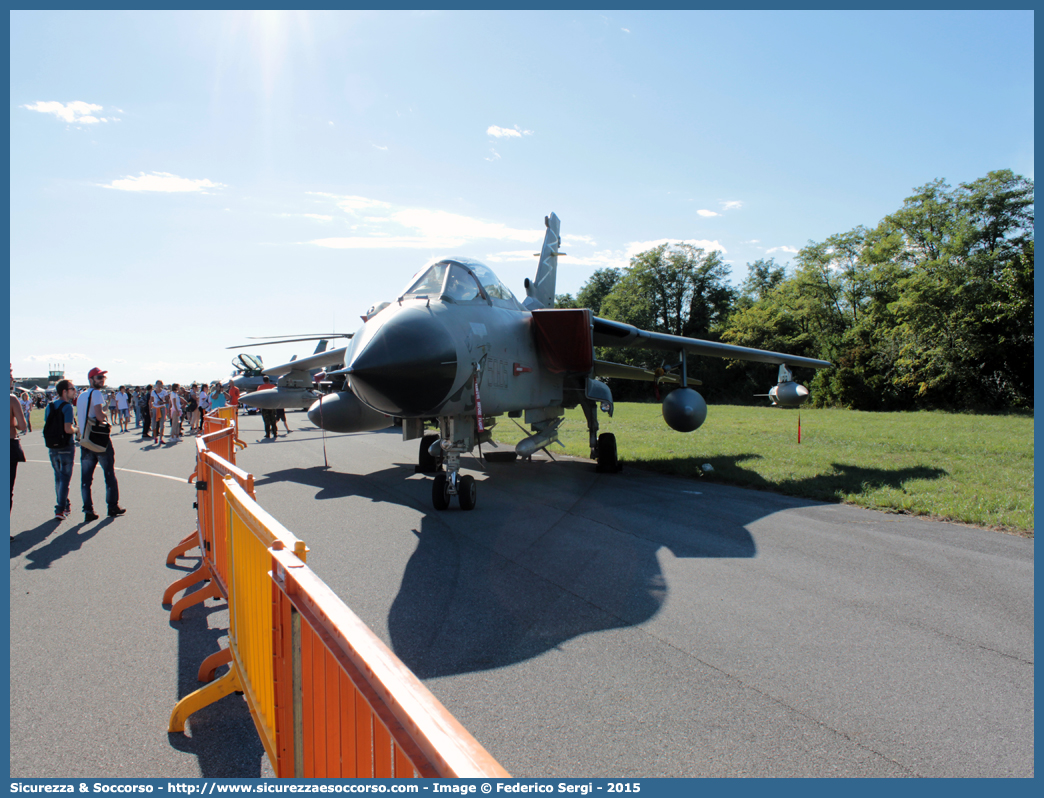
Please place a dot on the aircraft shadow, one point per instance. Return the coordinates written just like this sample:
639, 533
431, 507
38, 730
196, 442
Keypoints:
517, 578
832, 486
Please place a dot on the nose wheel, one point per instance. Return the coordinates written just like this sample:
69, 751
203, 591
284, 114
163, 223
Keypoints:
446, 485
440, 491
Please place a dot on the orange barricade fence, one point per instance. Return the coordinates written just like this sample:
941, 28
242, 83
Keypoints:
328, 698
211, 441
221, 417
346, 705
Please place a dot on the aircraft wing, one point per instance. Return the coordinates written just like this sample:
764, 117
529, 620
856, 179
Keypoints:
304, 364
283, 340
616, 333
603, 368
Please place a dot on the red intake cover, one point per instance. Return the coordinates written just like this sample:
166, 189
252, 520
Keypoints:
563, 337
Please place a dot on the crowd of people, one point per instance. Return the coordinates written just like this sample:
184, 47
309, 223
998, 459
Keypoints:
96, 407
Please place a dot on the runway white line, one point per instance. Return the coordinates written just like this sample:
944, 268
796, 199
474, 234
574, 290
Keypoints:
129, 471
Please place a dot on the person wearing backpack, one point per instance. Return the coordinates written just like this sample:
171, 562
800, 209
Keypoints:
58, 428
93, 404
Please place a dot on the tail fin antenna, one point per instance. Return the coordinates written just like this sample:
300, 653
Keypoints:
540, 292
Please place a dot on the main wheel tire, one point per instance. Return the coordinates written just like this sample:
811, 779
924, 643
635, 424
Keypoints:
426, 464
467, 493
439, 497
607, 460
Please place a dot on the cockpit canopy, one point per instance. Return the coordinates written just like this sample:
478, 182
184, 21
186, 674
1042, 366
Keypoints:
248, 364
461, 280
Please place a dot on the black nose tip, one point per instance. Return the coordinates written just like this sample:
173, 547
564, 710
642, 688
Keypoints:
408, 367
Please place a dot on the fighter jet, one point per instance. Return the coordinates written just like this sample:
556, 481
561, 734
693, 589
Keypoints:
297, 380
458, 350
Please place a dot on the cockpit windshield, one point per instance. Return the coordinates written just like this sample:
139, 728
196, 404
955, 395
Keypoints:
496, 290
459, 280
429, 284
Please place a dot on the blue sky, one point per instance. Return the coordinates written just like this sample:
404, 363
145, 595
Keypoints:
200, 177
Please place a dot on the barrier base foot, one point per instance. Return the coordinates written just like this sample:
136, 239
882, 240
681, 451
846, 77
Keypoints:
187, 543
212, 663
204, 696
210, 591
199, 575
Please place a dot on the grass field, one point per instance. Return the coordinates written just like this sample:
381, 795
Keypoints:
972, 469
967, 468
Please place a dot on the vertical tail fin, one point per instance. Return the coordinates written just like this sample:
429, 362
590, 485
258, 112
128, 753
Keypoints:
321, 346
540, 292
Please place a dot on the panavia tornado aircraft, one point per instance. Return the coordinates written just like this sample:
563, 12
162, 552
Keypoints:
295, 382
457, 348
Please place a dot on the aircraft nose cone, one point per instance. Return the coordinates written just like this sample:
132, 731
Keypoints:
407, 368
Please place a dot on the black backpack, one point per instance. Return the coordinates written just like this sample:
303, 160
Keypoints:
55, 436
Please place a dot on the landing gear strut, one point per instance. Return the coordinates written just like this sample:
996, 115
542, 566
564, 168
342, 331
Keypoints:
603, 447
449, 482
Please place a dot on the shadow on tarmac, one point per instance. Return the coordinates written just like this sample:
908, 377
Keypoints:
832, 486
509, 581
71, 539
222, 735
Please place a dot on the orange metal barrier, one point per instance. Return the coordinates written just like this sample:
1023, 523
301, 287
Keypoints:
222, 417
327, 697
211, 467
347, 706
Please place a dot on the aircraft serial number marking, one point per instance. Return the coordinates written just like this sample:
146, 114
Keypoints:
497, 372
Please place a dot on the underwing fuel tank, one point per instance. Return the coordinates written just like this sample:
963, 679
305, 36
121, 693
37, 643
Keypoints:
684, 410
788, 394
343, 412
276, 398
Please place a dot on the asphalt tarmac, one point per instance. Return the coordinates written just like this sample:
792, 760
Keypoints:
578, 624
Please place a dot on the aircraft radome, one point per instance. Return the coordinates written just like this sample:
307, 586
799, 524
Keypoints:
457, 349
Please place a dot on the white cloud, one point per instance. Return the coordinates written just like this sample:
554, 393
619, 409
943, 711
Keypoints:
625, 30
318, 216
76, 112
575, 240
704, 212
496, 155
789, 250
442, 223
507, 132
353, 204
515, 256
59, 358
732, 205
415, 228
162, 182
385, 242
379, 147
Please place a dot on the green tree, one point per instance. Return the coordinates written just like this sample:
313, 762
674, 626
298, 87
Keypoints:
967, 253
595, 290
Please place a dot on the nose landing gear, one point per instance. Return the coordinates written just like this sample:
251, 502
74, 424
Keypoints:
435, 455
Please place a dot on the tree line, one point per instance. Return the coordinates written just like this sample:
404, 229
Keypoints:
930, 309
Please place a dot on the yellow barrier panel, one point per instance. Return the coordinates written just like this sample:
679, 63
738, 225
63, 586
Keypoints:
347, 707
251, 531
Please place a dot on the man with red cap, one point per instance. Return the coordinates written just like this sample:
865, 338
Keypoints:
92, 401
